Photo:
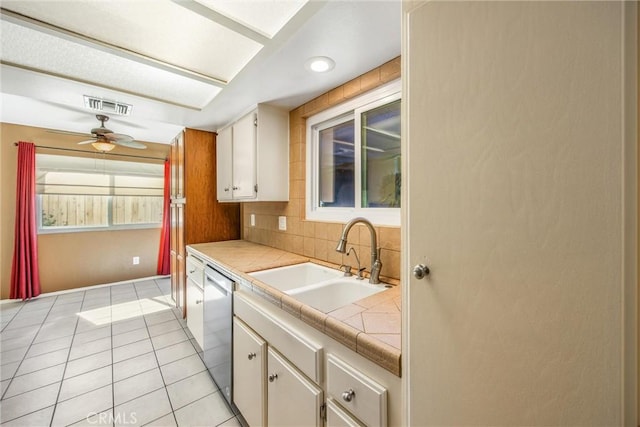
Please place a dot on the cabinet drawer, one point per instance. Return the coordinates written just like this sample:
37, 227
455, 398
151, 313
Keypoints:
359, 394
195, 270
301, 351
338, 417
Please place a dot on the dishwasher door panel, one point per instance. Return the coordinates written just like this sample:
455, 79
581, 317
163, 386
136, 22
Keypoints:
218, 313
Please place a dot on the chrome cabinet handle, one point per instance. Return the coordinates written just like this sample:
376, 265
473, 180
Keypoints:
273, 377
236, 188
226, 189
420, 271
198, 301
251, 356
348, 395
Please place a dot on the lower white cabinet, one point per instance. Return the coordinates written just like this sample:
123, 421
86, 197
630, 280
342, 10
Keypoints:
195, 311
267, 388
292, 399
249, 374
288, 374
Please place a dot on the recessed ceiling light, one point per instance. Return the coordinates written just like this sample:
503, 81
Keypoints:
320, 64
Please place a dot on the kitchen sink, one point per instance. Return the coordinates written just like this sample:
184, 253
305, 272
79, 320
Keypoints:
323, 288
296, 276
337, 293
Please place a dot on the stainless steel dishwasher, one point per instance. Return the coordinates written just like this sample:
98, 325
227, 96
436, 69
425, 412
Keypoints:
218, 327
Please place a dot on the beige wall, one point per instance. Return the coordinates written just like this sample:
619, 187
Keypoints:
313, 238
71, 260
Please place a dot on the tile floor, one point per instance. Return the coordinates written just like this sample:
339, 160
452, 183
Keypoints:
118, 355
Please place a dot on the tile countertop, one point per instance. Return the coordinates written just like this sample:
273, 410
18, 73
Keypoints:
370, 327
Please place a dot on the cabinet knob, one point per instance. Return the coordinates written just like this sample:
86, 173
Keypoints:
198, 301
273, 377
236, 188
348, 396
226, 189
251, 356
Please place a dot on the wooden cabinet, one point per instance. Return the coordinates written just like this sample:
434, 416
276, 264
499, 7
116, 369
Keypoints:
196, 215
253, 157
249, 374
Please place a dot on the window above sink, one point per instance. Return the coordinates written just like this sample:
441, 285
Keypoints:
354, 159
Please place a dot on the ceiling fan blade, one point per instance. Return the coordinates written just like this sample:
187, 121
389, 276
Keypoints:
113, 137
130, 144
87, 142
66, 132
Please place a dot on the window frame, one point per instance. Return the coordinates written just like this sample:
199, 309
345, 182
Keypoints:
89, 228
349, 110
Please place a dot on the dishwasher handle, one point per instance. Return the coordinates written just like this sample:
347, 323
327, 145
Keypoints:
220, 282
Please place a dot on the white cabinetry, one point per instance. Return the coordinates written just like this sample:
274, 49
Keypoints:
195, 298
252, 158
356, 392
249, 373
300, 373
292, 399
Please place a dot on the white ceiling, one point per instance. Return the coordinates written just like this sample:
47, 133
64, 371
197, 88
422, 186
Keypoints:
180, 63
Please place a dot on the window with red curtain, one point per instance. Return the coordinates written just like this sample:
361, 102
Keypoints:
25, 278
164, 254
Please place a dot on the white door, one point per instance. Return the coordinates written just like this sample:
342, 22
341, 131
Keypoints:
520, 198
244, 157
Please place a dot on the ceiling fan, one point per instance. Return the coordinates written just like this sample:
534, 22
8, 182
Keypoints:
106, 140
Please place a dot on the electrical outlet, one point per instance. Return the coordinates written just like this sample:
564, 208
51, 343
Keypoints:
253, 220
282, 223
136, 260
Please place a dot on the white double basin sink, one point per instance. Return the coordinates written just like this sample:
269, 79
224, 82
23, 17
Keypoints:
322, 288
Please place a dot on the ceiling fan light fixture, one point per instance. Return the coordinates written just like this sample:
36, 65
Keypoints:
103, 146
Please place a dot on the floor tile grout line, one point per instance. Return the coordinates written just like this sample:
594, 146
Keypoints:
158, 362
113, 388
23, 358
64, 371
33, 389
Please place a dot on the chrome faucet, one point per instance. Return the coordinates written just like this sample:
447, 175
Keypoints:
376, 264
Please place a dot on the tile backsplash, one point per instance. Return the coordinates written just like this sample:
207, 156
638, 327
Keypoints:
313, 238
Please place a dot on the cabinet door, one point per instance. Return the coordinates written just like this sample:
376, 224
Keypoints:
244, 157
180, 165
195, 297
224, 155
249, 373
293, 400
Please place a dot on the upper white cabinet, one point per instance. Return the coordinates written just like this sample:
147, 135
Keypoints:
252, 157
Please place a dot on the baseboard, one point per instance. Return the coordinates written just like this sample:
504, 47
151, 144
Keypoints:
85, 288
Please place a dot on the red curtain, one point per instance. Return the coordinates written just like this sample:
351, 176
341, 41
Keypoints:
164, 254
25, 278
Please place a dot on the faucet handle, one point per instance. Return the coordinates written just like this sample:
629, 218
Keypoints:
347, 270
359, 273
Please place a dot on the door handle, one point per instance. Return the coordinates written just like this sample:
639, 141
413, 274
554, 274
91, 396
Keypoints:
420, 271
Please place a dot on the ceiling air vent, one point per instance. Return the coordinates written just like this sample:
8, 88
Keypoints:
107, 106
